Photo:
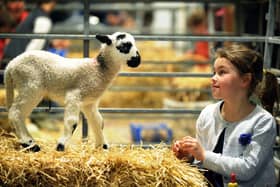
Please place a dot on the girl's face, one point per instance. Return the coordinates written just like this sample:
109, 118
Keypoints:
226, 81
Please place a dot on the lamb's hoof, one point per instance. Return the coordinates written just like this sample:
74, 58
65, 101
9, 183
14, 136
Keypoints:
60, 147
34, 148
105, 146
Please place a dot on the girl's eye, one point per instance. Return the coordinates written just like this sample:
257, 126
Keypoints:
221, 72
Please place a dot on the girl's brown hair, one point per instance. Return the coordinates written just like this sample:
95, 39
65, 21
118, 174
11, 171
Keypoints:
250, 61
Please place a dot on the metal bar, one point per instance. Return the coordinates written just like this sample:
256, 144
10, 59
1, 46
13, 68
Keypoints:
70, 6
164, 74
269, 32
86, 28
183, 62
151, 89
158, 74
86, 54
122, 110
122, 116
201, 38
149, 111
129, 5
273, 40
156, 89
47, 36
142, 37
146, 116
149, 1
108, 7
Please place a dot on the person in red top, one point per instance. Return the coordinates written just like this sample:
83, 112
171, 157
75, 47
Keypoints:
197, 25
17, 10
12, 13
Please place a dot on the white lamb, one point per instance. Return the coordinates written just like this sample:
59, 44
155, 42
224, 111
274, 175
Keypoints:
77, 83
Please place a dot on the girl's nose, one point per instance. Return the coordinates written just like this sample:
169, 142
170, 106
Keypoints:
214, 77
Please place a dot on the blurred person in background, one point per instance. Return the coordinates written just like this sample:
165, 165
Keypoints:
197, 25
12, 13
116, 19
60, 47
16, 8
122, 19
38, 21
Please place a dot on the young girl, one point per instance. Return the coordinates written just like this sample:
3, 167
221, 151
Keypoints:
234, 134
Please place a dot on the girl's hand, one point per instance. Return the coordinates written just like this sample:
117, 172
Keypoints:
176, 148
179, 153
192, 146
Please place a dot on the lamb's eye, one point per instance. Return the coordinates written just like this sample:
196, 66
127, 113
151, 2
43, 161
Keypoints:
124, 47
121, 36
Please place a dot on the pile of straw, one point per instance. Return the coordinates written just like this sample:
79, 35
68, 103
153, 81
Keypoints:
81, 165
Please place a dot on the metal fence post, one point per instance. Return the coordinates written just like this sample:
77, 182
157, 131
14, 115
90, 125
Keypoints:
86, 54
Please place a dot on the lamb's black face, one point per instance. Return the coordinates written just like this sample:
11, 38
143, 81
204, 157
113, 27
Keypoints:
125, 46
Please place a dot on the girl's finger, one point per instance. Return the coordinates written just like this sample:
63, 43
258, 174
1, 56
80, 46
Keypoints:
187, 138
176, 146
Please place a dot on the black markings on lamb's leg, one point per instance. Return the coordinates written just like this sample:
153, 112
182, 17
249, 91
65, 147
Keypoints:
34, 148
60, 147
74, 127
24, 145
105, 146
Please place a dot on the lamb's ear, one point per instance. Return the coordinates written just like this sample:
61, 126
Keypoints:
104, 39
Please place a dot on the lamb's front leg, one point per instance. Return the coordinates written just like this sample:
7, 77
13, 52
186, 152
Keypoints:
95, 120
71, 117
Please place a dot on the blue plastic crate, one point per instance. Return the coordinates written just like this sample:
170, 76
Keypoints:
151, 133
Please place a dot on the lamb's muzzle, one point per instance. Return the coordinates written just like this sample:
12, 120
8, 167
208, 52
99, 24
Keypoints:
134, 61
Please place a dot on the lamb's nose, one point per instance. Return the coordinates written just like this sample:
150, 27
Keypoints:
134, 61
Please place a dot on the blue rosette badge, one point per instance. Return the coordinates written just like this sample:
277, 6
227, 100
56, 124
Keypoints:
245, 139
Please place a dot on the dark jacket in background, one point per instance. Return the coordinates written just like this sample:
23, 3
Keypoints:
18, 46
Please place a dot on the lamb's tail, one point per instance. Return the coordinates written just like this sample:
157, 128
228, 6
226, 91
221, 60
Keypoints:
9, 88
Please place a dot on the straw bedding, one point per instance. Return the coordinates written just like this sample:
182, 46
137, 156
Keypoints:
81, 165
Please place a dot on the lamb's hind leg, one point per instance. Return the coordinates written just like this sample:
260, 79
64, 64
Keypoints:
71, 117
95, 121
20, 109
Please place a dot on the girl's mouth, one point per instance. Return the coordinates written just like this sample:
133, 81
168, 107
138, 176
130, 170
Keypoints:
215, 86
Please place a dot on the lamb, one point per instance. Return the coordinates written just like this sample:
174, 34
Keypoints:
76, 83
